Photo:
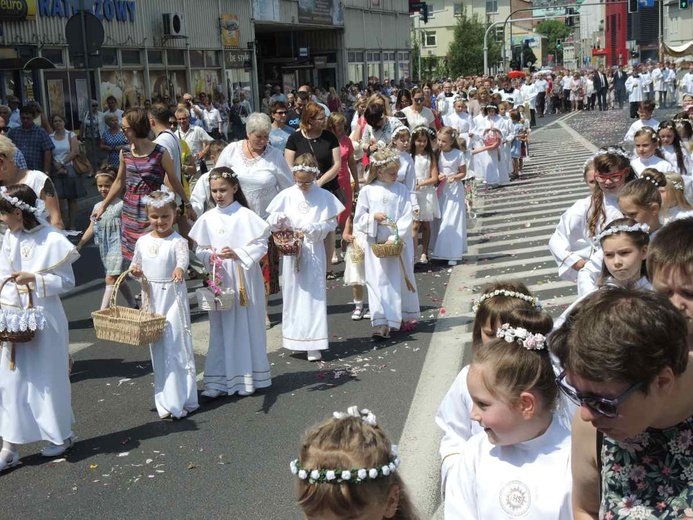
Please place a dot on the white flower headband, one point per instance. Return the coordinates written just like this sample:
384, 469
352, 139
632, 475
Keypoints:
637, 227
225, 175
522, 336
303, 168
18, 203
611, 150
348, 476
384, 162
159, 203
510, 294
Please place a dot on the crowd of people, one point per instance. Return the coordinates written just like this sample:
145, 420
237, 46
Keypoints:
394, 171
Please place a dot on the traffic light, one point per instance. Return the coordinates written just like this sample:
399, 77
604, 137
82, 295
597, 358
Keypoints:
683, 4
559, 44
424, 13
633, 6
569, 20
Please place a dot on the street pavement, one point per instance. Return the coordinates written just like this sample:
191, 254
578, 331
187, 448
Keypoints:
230, 459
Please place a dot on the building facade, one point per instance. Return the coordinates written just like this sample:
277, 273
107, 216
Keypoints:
160, 49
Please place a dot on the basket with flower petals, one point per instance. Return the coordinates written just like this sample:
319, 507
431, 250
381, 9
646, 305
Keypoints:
288, 242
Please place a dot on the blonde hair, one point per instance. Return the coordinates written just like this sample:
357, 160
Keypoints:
674, 194
349, 443
306, 159
7, 148
161, 195
381, 155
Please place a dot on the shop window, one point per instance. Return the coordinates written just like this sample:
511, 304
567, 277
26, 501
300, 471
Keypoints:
130, 57
491, 6
110, 57
54, 55
155, 57
211, 59
175, 57
197, 59
429, 39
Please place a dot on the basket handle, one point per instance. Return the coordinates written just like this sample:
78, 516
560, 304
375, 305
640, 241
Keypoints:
145, 287
19, 296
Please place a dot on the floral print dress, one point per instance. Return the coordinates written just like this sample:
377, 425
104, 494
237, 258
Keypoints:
649, 476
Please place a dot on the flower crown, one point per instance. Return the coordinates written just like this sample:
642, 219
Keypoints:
635, 228
510, 294
611, 150
224, 175
305, 168
522, 336
353, 475
159, 203
19, 204
385, 162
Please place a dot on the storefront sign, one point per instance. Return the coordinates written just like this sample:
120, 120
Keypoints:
230, 30
321, 12
17, 9
303, 52
109, 10
320, 62
238, 59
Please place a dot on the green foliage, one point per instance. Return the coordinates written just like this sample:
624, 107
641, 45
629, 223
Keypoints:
466, 52
554, 30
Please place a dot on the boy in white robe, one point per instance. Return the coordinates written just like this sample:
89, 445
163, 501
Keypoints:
311, 212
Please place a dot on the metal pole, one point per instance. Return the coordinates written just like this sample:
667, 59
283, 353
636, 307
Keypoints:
660, 53
83, 21
533, 18
420, 45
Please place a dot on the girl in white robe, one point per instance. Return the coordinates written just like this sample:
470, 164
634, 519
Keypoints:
675, 205
401, 141
460, 120
35, 396
383, 206
310, 211
162, 255
507, 135
673, 151
237, 355
451, 242
648, 154
519, 467
426, 170
488, 137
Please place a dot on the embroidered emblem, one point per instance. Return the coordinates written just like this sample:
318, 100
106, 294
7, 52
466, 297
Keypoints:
303, 207
515, 499
221, 231
27, 250
384, 201
153, 250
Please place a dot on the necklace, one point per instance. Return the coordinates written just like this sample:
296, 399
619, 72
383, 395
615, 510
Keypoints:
253, 154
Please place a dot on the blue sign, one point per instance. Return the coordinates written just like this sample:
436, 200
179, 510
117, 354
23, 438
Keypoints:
646, 3
119, 10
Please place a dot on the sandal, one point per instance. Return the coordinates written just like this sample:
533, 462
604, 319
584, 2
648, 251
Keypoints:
330, 275
380, 333
10, 462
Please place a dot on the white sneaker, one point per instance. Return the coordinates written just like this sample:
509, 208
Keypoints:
367, 314
212, 393
314, 355
55, 450
423, 259
357, 314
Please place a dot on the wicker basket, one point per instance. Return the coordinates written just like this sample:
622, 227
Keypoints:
356, 253
389, 249
20, 336
287, 242
137, 327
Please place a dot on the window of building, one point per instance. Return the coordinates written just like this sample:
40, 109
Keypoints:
175, 57
211, 59
155, 57
109, 56
429, 39
376, 56
355, 57
54, 55
130, 57
491, 6
457, 8
197, 59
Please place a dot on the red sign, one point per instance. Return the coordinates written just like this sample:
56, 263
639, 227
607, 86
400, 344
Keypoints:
600, 52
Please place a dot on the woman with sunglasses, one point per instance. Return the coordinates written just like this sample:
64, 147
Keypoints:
280, 132
418, 114
572, 243
625, 364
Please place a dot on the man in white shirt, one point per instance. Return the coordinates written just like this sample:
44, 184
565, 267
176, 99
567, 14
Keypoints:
646, 79
660, 88
278, 95
686, 81
15, 119
446, 101
212, 119
112, 103
566, 92
159, 115
195, 137
541, 85
529, 93
635, 92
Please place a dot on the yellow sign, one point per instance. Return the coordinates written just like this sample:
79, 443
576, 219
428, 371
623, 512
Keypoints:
230, 30
17, 10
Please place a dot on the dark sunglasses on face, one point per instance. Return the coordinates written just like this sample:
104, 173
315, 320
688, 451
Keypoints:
419, 99
281, 112
173, 123
599, 405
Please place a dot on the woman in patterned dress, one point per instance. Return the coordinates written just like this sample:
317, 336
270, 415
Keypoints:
113, 140
143, 168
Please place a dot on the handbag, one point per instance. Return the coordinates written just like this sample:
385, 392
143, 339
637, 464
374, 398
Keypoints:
80, 163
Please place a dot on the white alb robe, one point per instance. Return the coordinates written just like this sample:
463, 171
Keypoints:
451, 241
486, 164
389, 299
531, 479
304, 313
674, 213
237, 356
463, 123
571, 241
35, 398
173, 361
639, 164
669, 153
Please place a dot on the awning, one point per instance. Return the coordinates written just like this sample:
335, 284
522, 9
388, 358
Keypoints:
678, 50
36, 63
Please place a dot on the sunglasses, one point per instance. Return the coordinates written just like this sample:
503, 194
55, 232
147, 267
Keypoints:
419, 99
599, 405
124, 128
614, 177
281, 112
173, 123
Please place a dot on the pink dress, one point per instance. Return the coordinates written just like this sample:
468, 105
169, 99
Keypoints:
346, 149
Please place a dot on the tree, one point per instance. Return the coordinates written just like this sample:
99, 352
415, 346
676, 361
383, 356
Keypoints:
466, 51
554, 30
